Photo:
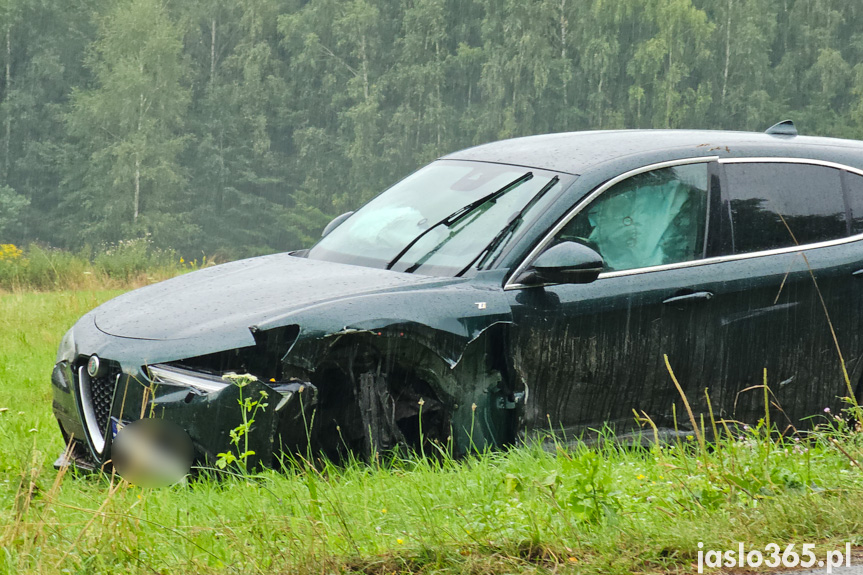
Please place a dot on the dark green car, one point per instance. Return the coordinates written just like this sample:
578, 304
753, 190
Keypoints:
525, 285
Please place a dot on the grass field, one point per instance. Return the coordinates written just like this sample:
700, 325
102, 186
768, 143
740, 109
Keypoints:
127, 263
611, 510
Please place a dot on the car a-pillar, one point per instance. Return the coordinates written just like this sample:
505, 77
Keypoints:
394, 388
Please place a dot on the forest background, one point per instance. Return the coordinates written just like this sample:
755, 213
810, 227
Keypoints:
239, 127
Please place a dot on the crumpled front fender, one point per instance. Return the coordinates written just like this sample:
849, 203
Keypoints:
445, 319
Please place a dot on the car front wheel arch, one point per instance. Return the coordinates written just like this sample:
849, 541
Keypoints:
384, 390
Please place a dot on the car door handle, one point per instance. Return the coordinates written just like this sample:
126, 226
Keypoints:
858, 274
690, 297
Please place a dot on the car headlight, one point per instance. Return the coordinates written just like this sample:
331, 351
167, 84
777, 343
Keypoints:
67, 351
202, 382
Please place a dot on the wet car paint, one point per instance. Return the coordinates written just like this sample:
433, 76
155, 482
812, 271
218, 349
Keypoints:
598, 349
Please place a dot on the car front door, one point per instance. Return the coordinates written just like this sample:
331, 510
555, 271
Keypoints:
592, 353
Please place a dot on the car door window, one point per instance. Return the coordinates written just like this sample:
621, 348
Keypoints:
655, 218
779, 205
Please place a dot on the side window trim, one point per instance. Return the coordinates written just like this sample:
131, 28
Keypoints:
550, 235
534, 253
782, 160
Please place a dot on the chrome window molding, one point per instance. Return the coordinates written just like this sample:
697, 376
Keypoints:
734, 257
776, 160
693, 263
587, 200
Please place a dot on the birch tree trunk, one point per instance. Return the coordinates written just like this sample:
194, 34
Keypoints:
563, 25
670, 84
600, 95
213, 52
137, 185
137, 206
727, 50
8, 91
365, 66
439, 119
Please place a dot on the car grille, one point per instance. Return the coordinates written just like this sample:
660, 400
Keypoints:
97, 395
101, 394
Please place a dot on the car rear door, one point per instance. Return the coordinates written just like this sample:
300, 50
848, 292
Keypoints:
788, 287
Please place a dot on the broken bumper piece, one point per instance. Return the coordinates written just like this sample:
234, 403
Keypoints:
208, 407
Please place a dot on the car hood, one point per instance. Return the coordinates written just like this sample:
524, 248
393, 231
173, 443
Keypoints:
242, 294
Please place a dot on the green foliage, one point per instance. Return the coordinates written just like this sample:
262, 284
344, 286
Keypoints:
239, 128
124, 264
11, 205
128, 127
129, 259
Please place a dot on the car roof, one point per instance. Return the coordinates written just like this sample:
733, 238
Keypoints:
578, 152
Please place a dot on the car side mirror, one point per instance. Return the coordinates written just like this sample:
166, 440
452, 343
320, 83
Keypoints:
336, 222
564, 263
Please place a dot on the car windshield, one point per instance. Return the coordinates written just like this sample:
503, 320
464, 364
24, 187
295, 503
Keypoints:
442, 219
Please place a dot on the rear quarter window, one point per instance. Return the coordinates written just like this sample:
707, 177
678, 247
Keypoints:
854, 189
776, 205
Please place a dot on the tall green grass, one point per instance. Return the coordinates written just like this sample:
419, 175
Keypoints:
539, 509
128, 263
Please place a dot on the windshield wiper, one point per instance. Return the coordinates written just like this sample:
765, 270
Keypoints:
510, 227
460, 213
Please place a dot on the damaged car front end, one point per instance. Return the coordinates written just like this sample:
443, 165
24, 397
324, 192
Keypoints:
350, 358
